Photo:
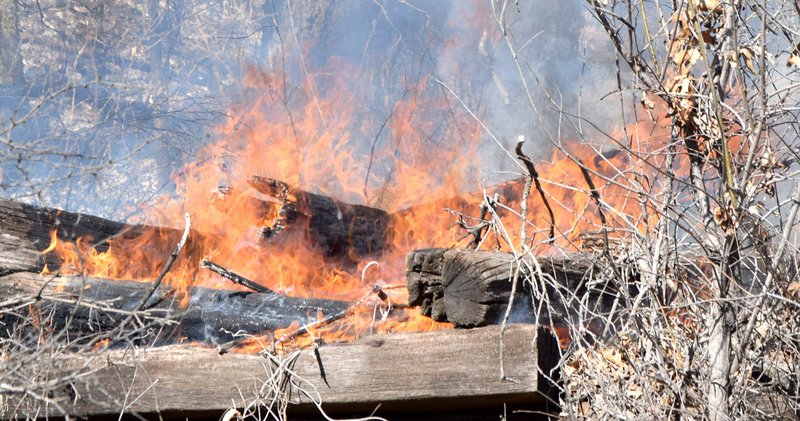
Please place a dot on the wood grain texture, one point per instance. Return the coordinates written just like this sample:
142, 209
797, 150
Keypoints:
341, 231
414, 373
472, 288
477, 286
337, 228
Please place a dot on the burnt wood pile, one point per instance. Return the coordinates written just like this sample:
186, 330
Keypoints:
212, 315
467, 288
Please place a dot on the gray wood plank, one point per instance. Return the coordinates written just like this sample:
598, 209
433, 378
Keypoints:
415, 372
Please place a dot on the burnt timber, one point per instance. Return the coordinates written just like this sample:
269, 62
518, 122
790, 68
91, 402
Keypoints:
450, 371
25, 231
472, 288
338, 228
94, 306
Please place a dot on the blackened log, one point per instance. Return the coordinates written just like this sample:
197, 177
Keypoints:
472, 288
426, 261
99, 305
338, 228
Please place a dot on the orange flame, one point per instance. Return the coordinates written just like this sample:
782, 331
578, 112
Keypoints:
316, 149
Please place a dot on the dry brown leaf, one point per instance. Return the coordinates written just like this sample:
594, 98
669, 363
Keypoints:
747, 54
794, 289
709, 5
724, 218
634, 392
586, 410
682, 40
794, 59
682, 103
686, 59
613, 356
693, 56
710, 36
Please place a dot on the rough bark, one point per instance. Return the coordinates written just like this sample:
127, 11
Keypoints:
338, 228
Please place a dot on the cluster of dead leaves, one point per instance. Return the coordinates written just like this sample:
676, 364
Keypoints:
631, 378
685, 52
725, 218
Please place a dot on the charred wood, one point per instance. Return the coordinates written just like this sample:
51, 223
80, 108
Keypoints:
95, 306
339, 229
472, 288
234, 277
26, 230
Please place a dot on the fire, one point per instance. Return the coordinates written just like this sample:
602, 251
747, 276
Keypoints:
320, 148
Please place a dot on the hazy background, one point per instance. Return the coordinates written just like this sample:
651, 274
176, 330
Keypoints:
103, 102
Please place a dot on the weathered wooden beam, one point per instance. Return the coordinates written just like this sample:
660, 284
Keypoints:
211, 315
472, 288
25, 231
457, 371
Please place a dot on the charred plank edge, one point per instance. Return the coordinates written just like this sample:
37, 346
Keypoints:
25, 231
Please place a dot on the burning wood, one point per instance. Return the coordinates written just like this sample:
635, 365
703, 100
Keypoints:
337, 227
192, 313
30, 232
79, 305
234, 277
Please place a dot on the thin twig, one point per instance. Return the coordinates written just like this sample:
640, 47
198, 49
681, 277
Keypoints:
169, 263
597, 201
376, 290
534, 175
302, 330
234, 277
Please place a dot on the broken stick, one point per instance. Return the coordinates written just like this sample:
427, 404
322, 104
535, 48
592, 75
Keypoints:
234, 277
